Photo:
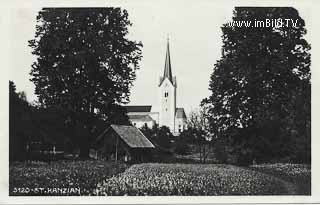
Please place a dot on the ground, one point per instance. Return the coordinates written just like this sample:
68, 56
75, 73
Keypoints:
105, 178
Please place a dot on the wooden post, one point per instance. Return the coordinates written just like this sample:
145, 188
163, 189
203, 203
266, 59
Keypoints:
116, 148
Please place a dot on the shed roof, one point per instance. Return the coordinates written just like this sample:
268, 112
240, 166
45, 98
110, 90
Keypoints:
131, 135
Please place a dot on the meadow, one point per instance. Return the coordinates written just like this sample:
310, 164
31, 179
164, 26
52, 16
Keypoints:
70, 177
156, 179
192, 179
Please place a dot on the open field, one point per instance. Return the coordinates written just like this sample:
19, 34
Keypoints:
107, 178
192, 179
59, 177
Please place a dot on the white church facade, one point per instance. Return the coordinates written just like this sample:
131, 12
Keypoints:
168, 114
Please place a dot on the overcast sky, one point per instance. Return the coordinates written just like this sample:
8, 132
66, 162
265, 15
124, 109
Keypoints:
194, 30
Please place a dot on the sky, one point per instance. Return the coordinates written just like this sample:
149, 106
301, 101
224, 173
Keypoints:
194, 31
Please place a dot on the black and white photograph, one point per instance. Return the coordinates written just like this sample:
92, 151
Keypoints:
160, 98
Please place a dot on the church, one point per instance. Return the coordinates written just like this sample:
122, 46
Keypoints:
168, 114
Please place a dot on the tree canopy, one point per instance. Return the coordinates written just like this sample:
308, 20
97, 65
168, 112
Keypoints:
260, 88
85, 64
84, 59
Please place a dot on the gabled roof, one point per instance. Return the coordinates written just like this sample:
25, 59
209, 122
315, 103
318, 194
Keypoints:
132, 136
138, 108
144, 118
180, 113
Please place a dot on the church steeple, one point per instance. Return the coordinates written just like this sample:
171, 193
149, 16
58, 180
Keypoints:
167, 73
167, 67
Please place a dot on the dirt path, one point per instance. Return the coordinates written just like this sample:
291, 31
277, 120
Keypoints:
291, 188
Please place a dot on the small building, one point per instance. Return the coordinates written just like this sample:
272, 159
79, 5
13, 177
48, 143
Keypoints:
124, 143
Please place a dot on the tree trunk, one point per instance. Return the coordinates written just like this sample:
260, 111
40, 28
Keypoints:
83, 136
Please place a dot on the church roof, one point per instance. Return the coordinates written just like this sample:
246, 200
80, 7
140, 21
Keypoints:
131, 135
180, 113
138, 108
167, 67
144, 118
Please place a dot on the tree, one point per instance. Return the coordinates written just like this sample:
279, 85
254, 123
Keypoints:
260, 88
19, 125
183, 142
150, 133
163, 137
199, 132
85, 65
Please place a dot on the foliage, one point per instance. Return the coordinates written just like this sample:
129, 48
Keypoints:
181, 145
189, 179
19, 123
163, 137
149, 132
199, 132
31, 124
61, 174
160, 136
85, 65
260, 89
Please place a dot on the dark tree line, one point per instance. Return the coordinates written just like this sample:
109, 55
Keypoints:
260, 101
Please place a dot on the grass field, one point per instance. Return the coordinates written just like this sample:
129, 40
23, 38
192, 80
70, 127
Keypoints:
59, 177
191, 179
154, 179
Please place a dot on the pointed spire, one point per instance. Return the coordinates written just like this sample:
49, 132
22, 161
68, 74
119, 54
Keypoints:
167, 67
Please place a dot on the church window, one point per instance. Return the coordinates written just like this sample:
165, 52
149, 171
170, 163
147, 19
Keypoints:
166, 94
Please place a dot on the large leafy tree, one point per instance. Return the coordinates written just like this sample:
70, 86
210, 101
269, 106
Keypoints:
260, 88
85, 64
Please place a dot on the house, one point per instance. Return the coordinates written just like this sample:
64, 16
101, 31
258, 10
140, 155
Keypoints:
168, 114
124, 143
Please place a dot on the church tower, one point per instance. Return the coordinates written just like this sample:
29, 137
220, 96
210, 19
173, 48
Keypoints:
167, 88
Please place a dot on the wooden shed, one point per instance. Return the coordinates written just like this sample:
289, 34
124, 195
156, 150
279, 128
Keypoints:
123, 142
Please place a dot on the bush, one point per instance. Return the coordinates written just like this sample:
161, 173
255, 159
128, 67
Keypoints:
181, 148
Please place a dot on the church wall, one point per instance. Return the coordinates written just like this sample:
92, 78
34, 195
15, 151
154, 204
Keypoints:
139, 124
155, 116
181, 124
167, 104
